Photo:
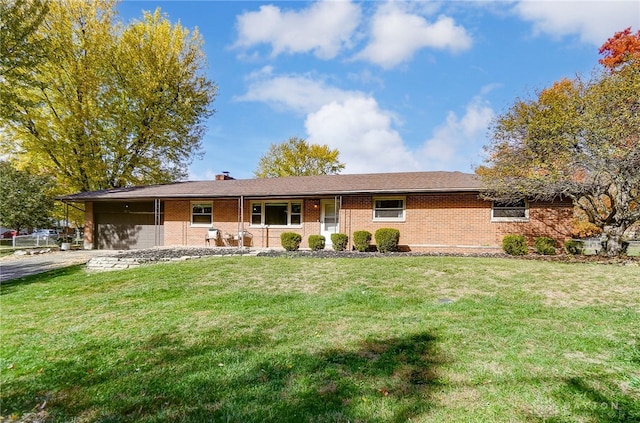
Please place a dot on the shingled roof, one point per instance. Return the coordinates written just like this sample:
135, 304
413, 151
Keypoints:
294, 186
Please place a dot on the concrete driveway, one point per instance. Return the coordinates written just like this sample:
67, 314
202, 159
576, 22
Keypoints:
17, 266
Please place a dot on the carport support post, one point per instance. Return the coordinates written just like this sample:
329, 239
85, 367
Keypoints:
241, 233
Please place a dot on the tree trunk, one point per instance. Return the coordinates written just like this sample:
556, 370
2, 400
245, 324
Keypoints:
613, 240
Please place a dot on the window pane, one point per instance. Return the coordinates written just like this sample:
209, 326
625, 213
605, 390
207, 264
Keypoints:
395, 214
202, 218
509, 213
513, 205
389, 204
515, 209
202, 208
256, 209
275, 214
295, 219
296, 208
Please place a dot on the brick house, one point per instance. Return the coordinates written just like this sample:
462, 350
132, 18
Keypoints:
434, 211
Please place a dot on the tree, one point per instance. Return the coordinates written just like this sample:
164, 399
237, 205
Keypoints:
623, 47
118, 105
22, 48
578, 139
26, 198
296, 157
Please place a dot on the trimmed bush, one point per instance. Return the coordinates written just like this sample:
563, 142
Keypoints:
290, 240
515, 245
361, 240
574, 247
387, 239
545, 246
339, 241
316, 242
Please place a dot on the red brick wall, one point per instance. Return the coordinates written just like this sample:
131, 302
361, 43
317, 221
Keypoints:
456, 221
434, 222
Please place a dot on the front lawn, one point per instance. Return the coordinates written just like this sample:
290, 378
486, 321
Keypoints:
259, 339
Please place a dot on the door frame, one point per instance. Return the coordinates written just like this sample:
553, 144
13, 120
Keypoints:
323, 231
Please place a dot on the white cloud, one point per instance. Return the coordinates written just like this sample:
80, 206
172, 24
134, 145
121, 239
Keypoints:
363, 134
323, 28
458, 141
396, 34
593, 21
297, 93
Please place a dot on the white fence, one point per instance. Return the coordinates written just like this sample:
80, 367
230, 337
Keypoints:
25, 241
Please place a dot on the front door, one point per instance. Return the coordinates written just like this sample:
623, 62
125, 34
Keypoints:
329, 220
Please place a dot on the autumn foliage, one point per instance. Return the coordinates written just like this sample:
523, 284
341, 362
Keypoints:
576, 139
623, 47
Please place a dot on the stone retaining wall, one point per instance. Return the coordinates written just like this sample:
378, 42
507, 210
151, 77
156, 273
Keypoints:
102, 264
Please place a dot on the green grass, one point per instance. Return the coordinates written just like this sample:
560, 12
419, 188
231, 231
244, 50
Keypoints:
250, 339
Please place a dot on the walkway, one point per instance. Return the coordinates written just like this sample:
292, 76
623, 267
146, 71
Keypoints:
17, 266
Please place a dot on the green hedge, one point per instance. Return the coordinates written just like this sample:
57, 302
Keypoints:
339, 241
361, 240
387, 239
290, 240
545, 246
316, 242
574, 247
515, 245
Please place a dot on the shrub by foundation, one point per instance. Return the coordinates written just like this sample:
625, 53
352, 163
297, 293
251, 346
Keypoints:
361, 240
545, 246
339, 241
387, 239
290, 240
316, 242
514, 245
574, 247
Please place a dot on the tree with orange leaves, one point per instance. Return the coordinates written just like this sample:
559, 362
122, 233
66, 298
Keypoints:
622, 48
579, 139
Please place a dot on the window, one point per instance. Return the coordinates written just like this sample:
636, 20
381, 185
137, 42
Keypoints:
503, 211
201, 214
280, 213
391, 209
256, 214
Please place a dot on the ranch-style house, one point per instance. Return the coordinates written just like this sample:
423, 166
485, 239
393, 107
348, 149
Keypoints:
434, 211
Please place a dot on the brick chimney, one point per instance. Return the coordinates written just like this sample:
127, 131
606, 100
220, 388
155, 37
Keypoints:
224, 177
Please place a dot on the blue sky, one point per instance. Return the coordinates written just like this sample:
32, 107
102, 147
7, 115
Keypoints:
393, 85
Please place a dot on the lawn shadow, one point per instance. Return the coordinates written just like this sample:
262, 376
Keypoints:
201, 383
11, 285
604, 407
588, 399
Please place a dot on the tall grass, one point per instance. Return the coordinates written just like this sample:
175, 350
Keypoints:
248, 339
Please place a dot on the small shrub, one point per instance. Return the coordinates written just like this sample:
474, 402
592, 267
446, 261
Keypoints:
290, 240
339, 241
545, 246
316, 242
514, 245
574, 247
361, 240
387, 239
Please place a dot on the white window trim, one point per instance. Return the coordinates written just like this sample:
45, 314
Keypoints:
263, 203
510, 219
200, 225
403, 218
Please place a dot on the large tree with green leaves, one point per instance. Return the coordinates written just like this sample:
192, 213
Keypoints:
116, 104
22, 48
25, 199
578, 139
296, 157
